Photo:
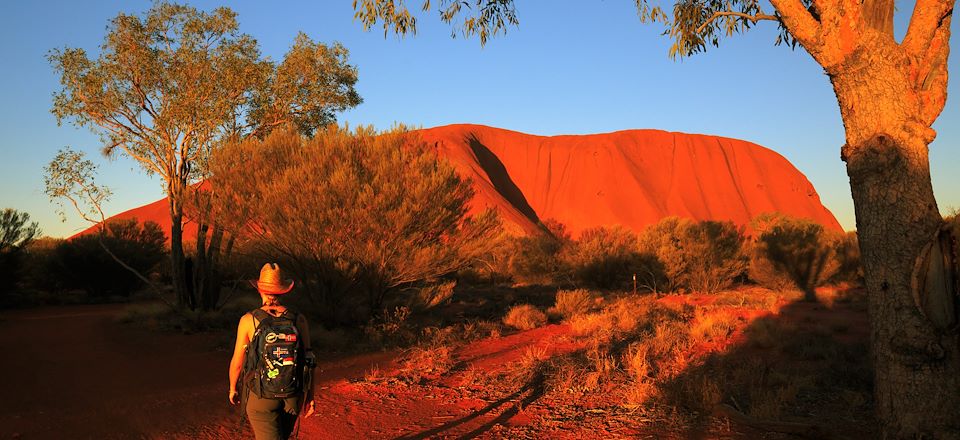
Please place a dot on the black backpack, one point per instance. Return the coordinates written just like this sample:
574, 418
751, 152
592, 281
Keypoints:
274, 364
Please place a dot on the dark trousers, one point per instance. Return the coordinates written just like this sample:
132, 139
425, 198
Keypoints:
272, 419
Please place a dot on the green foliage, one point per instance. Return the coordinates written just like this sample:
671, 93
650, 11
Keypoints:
535, 259
704, 256
82, 263
608, 258
692, 26
525, 317
485, 18
356, 215
793, 251
16, 233
190, 73
171, 86
70, 176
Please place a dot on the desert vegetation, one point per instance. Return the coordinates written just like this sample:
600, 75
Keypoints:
384, 214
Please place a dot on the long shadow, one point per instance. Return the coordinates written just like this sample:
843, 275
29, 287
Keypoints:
534, 389
805, 373
500, 178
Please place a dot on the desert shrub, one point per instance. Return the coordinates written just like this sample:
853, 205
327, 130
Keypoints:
431, 295
525, 317
704, 256
82, 263
357, 215
608, 258
570, 303
536, 258
849, 268
16, 233
792, 252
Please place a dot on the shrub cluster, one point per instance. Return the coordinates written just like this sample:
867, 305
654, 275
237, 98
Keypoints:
798, 253
84, 263
16, 234
380, 213
684, 255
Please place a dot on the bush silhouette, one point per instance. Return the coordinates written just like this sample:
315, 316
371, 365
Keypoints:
82, 263
15, 235
795, 252
849, 268
355, 215
704, 256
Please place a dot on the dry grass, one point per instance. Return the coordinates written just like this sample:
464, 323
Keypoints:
525, 317
432, 295
674, 358
571, 303
420, 362
712, 325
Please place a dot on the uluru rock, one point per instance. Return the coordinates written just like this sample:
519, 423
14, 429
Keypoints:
631, 178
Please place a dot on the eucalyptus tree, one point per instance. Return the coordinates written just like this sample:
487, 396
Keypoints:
170, 86
889, 93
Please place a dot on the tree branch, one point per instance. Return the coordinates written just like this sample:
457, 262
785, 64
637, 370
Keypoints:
752, 18
928, 16
801, 24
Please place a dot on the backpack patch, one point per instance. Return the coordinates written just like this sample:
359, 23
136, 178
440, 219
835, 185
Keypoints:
274, 356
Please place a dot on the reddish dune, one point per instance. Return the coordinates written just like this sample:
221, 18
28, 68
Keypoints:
631, 178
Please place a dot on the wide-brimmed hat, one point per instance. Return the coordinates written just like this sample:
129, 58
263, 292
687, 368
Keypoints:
271, 280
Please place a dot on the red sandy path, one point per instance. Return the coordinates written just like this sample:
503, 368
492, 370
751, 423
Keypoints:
443, 408
76, 373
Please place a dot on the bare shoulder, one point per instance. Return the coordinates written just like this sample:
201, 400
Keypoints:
246, 323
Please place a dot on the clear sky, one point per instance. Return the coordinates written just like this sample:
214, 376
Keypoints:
572, 67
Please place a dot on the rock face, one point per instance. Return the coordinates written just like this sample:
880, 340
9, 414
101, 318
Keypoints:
631, 178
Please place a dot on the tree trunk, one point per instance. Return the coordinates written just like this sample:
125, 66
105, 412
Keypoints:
917, 364
207, 279
177, 260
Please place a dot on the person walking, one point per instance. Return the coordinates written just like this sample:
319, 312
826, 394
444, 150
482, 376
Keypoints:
272, 361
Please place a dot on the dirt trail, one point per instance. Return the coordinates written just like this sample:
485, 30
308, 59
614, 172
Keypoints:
77, 373
73, 372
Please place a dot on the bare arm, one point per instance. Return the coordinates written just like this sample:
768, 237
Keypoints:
244, 333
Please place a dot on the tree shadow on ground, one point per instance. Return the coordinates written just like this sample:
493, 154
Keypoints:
803, 372
526, 395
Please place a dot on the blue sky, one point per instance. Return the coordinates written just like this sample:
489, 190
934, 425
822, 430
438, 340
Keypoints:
572, 67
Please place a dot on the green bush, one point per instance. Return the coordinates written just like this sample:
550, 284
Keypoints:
82, 263
793, 252
849, 268
704, 256
535, 259
608, 258
525, 317
356, 216
15, 235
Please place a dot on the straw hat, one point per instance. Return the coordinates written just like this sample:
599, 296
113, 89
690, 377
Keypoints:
271, 281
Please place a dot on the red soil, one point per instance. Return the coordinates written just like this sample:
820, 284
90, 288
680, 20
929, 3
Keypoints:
630, 178
74, 372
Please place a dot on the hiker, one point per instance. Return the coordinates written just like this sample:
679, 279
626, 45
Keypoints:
273, 354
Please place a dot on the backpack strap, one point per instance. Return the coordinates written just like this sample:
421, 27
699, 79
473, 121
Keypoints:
259, 315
